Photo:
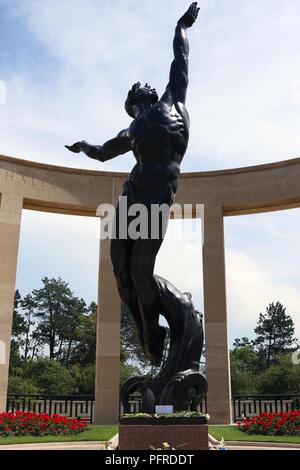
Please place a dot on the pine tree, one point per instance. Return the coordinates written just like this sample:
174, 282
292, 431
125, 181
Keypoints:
274, 333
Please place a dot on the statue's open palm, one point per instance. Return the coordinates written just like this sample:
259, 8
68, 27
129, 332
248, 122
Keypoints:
190, 16
75, 148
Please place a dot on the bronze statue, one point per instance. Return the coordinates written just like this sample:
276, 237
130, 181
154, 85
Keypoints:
158, 137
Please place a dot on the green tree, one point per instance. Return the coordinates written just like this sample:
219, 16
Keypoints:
244, 363
52, 321
242, 342
282, 377
84, 377
19, 384
17, 331
274, 333
49, 376
57, 312
69, 329
84, 352
18, 323
31, 341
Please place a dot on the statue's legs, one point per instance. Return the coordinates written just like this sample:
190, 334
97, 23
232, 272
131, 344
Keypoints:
142, 262
120, 252
133, 264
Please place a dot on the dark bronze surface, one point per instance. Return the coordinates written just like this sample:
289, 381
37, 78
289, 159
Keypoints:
158, 137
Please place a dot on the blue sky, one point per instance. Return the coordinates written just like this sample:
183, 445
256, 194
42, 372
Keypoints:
67, 66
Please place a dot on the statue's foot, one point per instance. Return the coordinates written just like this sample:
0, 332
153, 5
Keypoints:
154, 345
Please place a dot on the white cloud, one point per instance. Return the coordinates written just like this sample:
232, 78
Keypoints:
262, 264
180, 259
244, 62
55, 245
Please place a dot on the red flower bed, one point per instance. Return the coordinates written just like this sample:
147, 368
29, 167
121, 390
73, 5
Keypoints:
39, 424
273, 424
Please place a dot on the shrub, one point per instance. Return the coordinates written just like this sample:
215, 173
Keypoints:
39, 424
50, 377
273, 424
21, 385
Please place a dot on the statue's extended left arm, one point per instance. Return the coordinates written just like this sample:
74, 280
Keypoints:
112, 148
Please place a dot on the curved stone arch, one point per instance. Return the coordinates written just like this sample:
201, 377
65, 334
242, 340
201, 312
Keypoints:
74, 191
41, 187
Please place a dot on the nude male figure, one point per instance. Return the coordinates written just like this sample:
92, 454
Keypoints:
158, 137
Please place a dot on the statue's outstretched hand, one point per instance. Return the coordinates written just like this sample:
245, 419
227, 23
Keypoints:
190, 16
75, 148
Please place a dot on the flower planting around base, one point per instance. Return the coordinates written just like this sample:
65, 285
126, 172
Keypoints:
39, 424
273, 424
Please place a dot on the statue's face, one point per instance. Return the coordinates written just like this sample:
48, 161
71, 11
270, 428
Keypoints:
142, 100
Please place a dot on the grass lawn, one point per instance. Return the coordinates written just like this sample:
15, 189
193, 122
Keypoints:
231, 433
94, 433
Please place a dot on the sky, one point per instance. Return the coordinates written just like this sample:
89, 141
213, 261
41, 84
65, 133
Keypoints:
65, 70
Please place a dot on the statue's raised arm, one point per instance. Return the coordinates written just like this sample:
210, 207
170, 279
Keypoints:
179, 69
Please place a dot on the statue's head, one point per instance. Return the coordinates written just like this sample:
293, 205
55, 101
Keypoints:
139, 98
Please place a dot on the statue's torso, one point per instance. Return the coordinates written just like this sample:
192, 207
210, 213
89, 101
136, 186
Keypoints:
160, 134
159, 140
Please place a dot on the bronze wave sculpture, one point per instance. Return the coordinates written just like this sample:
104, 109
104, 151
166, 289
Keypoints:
158, 137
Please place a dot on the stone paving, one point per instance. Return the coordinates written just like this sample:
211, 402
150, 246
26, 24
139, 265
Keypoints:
56, 446
240, 445
100, 446
260, 448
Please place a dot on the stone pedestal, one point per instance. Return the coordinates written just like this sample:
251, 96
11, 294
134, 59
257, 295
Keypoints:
141, 437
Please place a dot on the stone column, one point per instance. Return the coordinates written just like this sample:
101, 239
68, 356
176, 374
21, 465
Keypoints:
10, 219
216, 334
107, 400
